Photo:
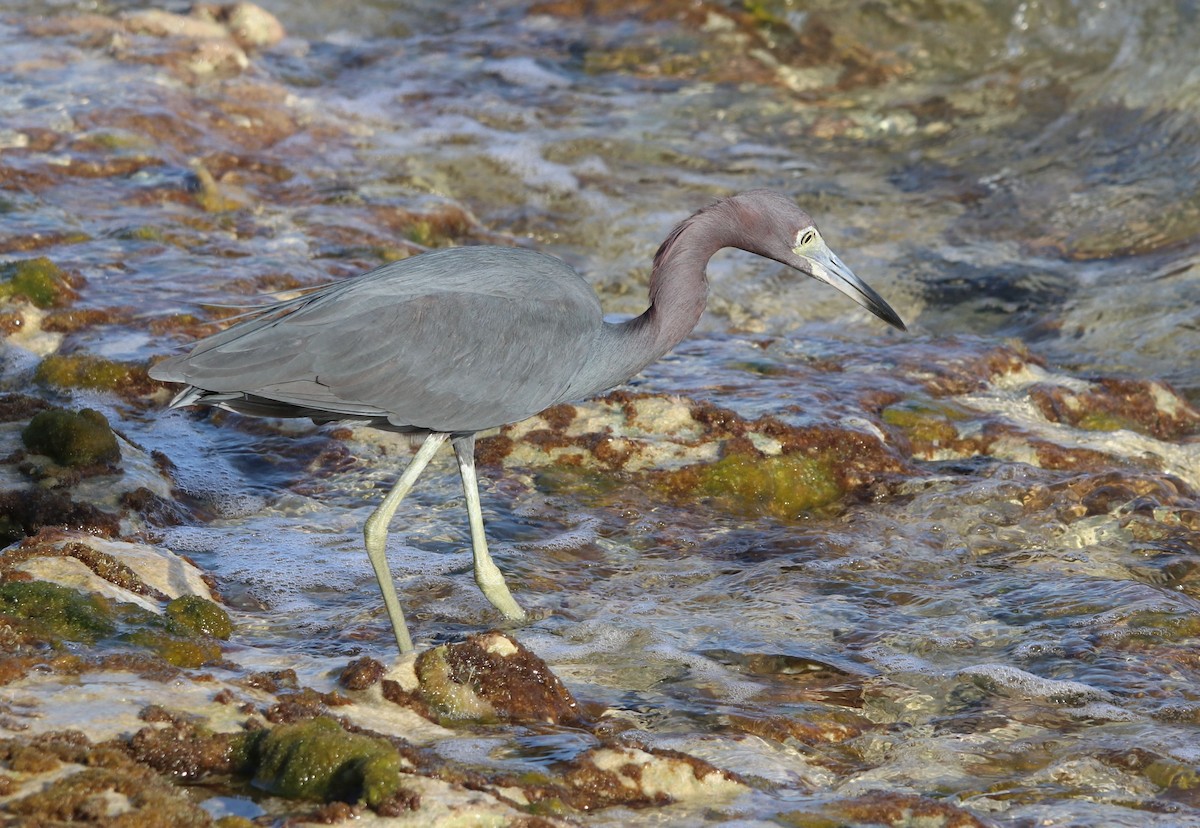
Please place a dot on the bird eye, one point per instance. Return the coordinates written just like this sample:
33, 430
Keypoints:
807, 237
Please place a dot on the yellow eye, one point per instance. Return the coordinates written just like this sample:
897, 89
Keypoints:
806, 238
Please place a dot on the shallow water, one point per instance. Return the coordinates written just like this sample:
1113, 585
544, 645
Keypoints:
989, 632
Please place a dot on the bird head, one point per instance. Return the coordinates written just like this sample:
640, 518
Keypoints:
777, 229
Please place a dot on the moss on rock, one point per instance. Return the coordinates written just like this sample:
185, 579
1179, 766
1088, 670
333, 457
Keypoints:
782, 486
89, 371
72, 438
491, 677
319, 760
40, 281
57, 613
178, 651
193, 615
928, 426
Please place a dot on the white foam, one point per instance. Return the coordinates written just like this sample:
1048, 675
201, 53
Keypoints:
525, 71
1030, 686
584, 533
201, 469
523, 157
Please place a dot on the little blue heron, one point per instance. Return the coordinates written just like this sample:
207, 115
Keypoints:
452, 342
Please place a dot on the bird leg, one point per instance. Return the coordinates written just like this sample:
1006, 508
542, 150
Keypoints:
487, 574
376, 529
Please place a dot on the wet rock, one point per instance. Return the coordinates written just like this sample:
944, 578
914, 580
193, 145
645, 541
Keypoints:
191, 752
928, 426
193, 615
252, 26
491, 677
50, 614
883, 808
319, 760
1145, 406
78, 319
635, 777
153, 508
161, 23
26, 511
17, 407
93, 372
185, 652
813, 467
687, 450
302, 705
72, 438
54, 613
31, 556
99, 785
361, 674
128, 572
38, 281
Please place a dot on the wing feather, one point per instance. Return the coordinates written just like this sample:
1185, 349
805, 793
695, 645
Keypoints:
458, 340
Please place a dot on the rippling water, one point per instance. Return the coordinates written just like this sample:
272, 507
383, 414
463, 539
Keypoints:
997, 633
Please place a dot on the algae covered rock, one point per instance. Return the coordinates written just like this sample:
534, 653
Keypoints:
90, 371
72, 438
193, 615
40, 281
492, 678
55, 613
318, 759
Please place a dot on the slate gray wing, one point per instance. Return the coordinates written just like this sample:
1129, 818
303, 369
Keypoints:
458, 340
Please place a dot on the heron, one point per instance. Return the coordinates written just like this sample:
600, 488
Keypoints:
449, 343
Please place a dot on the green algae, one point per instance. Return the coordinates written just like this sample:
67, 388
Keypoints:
86, 371
454, 700
52, 613
319, 760
40, 281
1172, 775
925, 424
72, 438
782, 486
191, 615
1109, 421
187, 653
57, 613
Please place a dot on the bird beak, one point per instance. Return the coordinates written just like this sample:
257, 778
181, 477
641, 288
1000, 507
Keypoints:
824, 265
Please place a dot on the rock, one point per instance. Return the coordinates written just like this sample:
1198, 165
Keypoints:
253, 27
1145, 406
159, 23
72, 438
630, 776
492, 678
98, 373
318, 759
39, 281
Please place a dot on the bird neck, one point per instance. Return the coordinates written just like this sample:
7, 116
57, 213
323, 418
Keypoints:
678, 293
678, 284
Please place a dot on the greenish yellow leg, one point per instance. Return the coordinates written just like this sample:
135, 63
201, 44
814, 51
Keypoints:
487, 574
376, 530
